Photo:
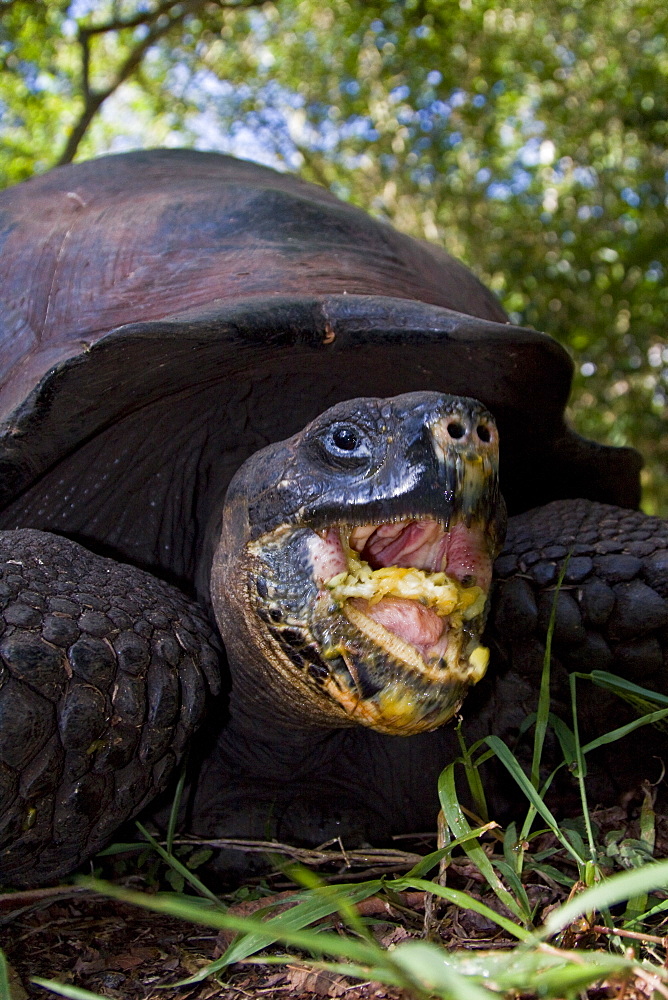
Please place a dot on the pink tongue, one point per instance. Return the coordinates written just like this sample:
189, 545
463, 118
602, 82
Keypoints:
409, 620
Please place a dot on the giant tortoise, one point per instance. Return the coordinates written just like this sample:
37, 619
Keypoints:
234, 407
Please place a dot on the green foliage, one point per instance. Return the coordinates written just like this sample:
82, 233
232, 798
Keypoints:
528, 137
549, 960
37, 86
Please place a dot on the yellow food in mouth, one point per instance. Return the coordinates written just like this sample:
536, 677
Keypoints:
457, 652
439, 591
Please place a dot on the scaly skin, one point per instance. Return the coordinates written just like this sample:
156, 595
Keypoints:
612, 611
104, 672
611, 615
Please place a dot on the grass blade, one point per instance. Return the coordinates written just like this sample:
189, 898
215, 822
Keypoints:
309, 909
176, 805
623, 687
607, 893
551, 872
428, 966
429, 861
4, 978
513, 879
473, 779
579, 771
569, 978
516, 772
637, 905
566, 738
543, 709
459, 825
311, 906
185, 873
346, 908
281, 928
617, 734
464, 902
659, 908
390, 976
65, 990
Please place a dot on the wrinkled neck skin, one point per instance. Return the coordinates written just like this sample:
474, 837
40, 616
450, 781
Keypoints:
260, 693
386, 496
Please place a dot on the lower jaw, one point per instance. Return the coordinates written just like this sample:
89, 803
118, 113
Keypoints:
392, 689
399, 708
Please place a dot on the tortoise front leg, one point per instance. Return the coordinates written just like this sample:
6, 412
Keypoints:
103, 677
611, 612
612, 608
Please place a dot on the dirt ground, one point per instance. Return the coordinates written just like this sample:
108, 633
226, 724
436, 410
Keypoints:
78, 938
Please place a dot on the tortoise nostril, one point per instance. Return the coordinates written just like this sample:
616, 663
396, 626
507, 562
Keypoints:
455, 430
483, 433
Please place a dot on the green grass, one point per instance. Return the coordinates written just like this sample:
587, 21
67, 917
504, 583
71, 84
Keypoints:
422, 967
546, 960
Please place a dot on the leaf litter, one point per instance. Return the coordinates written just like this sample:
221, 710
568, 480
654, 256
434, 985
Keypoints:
116, 950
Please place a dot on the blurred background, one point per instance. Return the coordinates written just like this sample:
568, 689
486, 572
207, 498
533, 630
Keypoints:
528, 137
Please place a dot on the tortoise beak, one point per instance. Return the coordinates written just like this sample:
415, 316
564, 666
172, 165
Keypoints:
466, 446
441, 461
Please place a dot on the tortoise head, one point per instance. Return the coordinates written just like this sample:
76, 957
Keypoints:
351, 580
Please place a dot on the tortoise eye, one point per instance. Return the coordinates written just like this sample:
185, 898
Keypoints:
344, 447
345, 438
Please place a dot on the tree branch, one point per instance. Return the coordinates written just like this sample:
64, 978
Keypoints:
165, 17
149, 17
144, 17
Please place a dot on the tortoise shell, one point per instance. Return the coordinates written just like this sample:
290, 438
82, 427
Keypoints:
163, 314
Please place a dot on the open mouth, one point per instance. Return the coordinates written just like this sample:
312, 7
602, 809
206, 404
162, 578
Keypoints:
417, 591
380, 621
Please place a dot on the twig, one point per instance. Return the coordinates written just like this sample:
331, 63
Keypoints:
28, 896
634, 935
119, 23
652, 981
314, 856
13, 904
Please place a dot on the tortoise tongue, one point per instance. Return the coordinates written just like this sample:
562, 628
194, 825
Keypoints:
410, 621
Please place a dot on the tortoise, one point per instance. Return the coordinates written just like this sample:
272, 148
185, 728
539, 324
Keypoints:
234, 407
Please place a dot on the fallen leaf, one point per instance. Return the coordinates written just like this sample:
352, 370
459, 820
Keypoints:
87, 968
393, 935
132, 959
325, 984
